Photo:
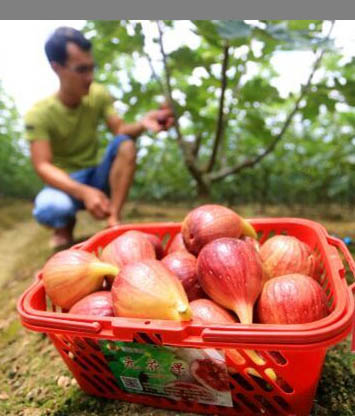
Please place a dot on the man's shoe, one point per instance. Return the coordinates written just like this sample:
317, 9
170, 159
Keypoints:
62, 237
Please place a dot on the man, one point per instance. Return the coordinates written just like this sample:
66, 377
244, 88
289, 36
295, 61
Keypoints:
62, 130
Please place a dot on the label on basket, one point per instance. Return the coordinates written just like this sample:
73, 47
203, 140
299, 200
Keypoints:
193, 374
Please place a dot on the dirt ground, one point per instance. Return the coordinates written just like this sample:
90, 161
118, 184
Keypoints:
34, 380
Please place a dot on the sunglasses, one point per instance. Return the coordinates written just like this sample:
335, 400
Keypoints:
82, 69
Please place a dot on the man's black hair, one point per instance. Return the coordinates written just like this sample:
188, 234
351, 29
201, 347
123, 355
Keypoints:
55, 46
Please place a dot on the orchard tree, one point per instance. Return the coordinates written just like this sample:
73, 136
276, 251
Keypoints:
219, 81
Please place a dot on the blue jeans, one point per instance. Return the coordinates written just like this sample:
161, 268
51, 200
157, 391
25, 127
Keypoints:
56, 208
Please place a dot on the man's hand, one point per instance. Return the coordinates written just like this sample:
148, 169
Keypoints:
96, 202
158, 120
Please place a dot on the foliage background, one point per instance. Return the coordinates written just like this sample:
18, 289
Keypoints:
293, 149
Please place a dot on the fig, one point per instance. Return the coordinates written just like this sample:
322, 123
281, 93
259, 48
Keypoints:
284, 254
148, 289
206, 311
157, 244
183, 265
230, 272
129, 247
209, 222
177, 243
97, 303
70, 275
292, 299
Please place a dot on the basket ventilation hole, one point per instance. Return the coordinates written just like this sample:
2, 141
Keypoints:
251, 406
103, 383
278, 358
92, 344
99, 251
255, 357
242, 381
88, 361
114, 383
92, 382
271, 234
79, 343
75, 359
141, 337
282, 402
64, 340
237, 407
99, 361
165, 239
284, 385
259, 379
234, 357
82, 365
268, 406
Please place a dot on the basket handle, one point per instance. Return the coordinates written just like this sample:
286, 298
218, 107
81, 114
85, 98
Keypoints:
43, 323
340, 245
49, 324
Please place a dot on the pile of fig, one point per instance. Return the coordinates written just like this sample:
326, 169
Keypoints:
214, 271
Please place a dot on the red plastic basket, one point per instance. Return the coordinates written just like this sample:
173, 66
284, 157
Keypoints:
282, 382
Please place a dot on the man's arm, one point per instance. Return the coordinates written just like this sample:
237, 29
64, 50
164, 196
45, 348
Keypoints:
155, 120
118, 126
94, 200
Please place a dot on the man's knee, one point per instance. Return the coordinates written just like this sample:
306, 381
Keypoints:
127, 152
54, 208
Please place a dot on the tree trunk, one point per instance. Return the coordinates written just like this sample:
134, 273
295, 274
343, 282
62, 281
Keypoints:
203, 191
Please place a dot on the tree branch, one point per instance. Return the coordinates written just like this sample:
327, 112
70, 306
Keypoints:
235, 90
249, 163
196, 145
186, 150
168, 83
220, 122
155, 75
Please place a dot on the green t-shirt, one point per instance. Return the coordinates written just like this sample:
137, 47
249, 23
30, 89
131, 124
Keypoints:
72, 132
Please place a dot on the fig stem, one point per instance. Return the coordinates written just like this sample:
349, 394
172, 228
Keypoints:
248, 229
99, 268
245, 314
184, 312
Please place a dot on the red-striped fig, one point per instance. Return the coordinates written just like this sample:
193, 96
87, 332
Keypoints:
292, 299
157, 244
183, 265
284, 254
205, 311
230, 272
211, 221
177, 243
97, 303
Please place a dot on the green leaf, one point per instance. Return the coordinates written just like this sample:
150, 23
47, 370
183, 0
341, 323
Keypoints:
233, 29
208, 30
258, 90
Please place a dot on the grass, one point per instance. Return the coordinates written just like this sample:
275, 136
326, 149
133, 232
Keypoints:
34, 380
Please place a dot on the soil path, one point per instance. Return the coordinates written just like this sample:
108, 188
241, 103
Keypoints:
13, 243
